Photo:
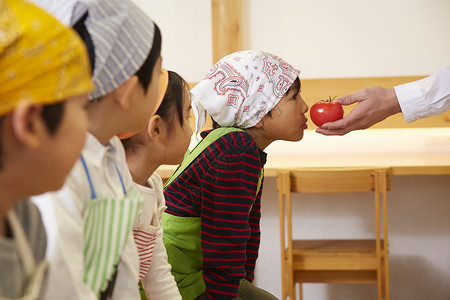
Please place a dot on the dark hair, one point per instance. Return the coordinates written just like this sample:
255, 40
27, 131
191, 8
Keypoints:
173, 99
52, 115
80, 28
294, 86
145, 72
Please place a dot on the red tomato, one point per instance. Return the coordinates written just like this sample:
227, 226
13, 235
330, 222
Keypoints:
326, 111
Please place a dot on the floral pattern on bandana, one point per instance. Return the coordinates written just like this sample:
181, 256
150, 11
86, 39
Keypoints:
242, 88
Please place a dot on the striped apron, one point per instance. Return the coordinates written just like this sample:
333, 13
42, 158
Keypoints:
108, 223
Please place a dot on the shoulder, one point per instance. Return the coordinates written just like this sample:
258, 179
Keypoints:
31, 221
155, 180
236, 142
153, 191
154, 183
28, 213
159, 187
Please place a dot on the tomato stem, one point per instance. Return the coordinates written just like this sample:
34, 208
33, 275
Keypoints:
329, 99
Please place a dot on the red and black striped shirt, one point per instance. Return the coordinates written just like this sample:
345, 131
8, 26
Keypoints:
220, 187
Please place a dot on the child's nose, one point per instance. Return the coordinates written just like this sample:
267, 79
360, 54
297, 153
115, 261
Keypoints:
305, 107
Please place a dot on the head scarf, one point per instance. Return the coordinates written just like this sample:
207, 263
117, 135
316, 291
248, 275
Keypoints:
242, 88
41, 60
121, 32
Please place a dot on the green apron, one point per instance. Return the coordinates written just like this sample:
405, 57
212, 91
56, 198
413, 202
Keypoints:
182, 234
110, 220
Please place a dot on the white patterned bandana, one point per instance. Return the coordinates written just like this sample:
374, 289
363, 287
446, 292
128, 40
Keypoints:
121, 32
242, 88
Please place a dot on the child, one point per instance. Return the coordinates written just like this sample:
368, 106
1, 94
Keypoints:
211, 225
44, 79
89, 221
164, 141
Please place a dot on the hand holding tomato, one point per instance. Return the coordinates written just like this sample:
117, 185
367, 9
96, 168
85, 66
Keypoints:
325, 111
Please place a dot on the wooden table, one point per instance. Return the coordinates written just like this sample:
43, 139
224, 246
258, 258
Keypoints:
416, 164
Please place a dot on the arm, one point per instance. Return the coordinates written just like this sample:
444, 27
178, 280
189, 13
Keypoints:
159, 282
426, 97
254, 241
228, 193
418, 99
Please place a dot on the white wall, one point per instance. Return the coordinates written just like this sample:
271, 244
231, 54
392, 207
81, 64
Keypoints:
324, 38
186, 34
346, 38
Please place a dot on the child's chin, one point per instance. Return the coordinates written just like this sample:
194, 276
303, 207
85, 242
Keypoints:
296, 139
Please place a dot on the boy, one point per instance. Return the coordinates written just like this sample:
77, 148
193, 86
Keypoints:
44, 79
89, 221
211, 225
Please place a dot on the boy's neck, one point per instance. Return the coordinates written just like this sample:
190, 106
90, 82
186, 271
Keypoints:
100, 133
7, 202
104, 120
258, 136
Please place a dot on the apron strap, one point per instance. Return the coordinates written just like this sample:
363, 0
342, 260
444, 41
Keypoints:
93, 194
34, 273
24, 248
121, 180
190, 156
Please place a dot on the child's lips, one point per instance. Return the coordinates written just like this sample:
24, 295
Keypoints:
305, 125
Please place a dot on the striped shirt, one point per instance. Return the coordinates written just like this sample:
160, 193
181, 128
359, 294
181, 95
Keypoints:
220, 186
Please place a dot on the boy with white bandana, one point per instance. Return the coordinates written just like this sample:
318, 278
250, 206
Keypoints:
211, 225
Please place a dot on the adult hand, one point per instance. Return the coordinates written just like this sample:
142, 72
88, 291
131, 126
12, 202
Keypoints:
374, 105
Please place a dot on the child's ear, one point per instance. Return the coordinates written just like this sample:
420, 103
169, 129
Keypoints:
26, 122
260, 124
123, 94
155, 127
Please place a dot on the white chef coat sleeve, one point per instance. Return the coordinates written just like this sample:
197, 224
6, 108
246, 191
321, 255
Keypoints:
426, 97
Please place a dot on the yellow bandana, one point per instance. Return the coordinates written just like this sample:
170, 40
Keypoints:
41, 60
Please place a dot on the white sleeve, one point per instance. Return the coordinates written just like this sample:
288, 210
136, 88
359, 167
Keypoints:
159, 283
62, 215
426, 97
